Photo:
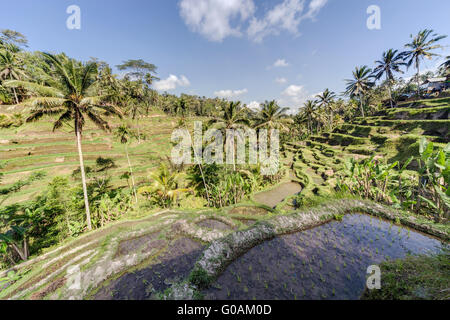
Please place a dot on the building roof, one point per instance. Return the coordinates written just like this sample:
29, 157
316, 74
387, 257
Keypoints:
442, 79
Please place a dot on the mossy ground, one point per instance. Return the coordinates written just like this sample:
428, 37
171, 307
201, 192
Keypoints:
414, 278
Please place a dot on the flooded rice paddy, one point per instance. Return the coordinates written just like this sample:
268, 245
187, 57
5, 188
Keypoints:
327, 262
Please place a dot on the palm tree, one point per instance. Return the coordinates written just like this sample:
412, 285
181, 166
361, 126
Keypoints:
445, 67
165, 184
390, 63
272, 116
11, 66
420, 48
309, 107
233, 116
70, 93
124, 135
325, 100
359, 85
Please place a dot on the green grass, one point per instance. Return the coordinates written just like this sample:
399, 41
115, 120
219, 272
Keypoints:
416, 277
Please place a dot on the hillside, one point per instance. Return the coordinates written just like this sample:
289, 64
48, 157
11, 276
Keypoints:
34, 147
212, 253
392, 135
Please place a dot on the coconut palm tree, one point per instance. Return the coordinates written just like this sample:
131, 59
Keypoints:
325, 100
272, 116
11, 66
232, 117
70, 93
360, 85
445, 67
419, 48
309, 108
390, 63
124, 134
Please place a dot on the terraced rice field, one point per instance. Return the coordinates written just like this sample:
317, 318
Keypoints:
392, 135
34, 147
327, 262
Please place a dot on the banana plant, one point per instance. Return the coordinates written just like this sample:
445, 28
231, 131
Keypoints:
434, 170
17, 237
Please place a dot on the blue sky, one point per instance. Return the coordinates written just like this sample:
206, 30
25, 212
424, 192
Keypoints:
250, 50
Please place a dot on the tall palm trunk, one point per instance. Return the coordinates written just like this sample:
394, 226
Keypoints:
14, 90
83, 178
139, 132
201, 170
131, 173
361, 105
331, 118
418, 78
390, 92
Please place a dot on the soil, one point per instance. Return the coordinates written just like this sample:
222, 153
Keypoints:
213, 224
173, 265
327, 262
249, 211
273, 197
48, 150
150, 241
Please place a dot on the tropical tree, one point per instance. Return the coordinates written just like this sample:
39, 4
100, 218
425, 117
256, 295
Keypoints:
139, 70
11, 66
232, 117
360, 85
309, 108
421, 47
390, 63
164, 188
69, 92
445, 67
8, 37
272, 116
124, 134
325, 100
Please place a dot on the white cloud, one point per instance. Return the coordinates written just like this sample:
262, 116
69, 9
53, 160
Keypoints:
281, 80
254, 105
280, 63
314, 7
213, 18
284, 16
171, 83
228, 94
293, 97
219, 19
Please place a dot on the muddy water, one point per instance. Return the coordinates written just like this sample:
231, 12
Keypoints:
328, 262
172, 266
273, 197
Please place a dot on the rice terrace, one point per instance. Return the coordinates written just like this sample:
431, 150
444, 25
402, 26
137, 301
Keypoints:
356, 204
